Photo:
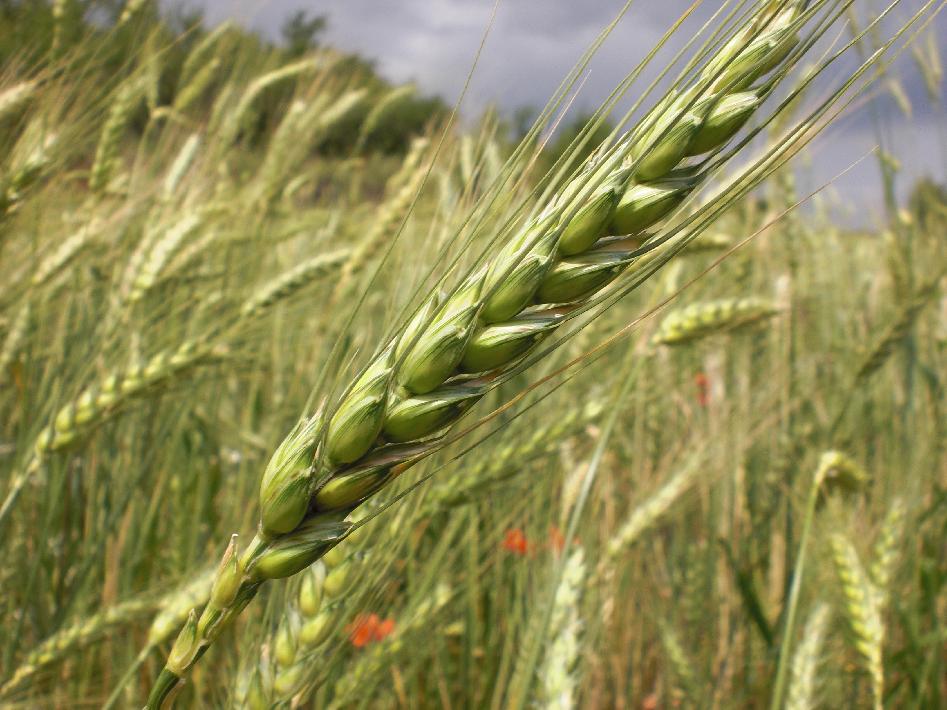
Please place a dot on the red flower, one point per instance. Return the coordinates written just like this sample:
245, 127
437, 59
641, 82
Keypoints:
384, 628
369, 628
703, 389
515, 541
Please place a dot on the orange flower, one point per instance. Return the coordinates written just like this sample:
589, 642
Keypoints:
515, 541
363, 629
384, 628
703, 389
369, 628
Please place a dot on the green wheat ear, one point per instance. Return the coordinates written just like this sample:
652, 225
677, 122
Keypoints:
862, 610
803, 683
702, 320
465, 341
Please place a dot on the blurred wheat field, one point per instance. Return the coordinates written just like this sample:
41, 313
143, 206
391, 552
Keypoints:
725, 489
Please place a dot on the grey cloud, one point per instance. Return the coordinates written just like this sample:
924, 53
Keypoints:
534, 43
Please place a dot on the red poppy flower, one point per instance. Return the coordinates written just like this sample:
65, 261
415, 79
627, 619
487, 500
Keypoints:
384, 628
363, 629
515, 541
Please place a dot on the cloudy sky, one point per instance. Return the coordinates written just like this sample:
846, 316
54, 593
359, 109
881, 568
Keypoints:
534, 43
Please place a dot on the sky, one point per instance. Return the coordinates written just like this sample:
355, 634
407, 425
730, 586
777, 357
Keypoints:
533, 44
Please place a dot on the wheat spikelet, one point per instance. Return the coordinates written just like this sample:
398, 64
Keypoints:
131, 9
927, 59
176, 605
700, 320
839, 473
303, 128
416, 389
180, 166
645, 515
191, 92
803, 684
30, 161
65, 253
64, 643
320, 609
59, 11
558, 683
159, 252
96, 404
290, 282
861, 609
100, 402
204, 52
886, 551
126, 100
509, 460
682, 665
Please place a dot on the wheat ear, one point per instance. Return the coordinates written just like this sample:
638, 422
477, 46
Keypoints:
701, 320
803, 683
862, 611
558, 680
408, 394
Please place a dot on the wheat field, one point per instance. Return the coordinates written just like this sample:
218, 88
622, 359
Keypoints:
315, 393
